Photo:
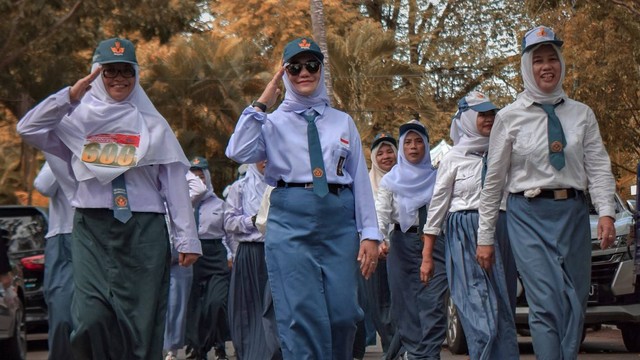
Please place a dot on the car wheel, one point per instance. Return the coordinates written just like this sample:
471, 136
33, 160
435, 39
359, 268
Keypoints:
15, 348
456, 340
631, 336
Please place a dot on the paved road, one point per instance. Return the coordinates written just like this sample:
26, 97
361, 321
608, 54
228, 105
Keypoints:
605, 344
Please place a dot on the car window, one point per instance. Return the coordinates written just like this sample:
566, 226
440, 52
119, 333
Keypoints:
24, 229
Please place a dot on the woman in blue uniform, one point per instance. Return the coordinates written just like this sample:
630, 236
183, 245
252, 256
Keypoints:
546, 151
127, 163
484, 298
248, 297
321, 203
207, 314
402, 203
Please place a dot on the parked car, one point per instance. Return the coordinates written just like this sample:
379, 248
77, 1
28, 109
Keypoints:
13, 334
26, 227
614, 297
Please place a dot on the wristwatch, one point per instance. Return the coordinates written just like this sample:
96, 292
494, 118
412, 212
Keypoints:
259, 105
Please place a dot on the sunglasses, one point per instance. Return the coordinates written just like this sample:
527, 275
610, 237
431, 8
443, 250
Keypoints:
294, 69
126, 73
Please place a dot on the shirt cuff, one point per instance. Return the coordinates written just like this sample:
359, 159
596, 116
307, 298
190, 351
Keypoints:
188, 246
371, 234
258, 115
431, 230
485, 238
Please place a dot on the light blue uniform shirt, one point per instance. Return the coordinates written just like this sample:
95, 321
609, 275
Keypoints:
147, 186
239, 226
281, 137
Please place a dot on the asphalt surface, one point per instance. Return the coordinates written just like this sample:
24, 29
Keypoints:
605, 344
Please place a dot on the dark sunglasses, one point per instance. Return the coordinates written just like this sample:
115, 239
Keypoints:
126, 73
294, 69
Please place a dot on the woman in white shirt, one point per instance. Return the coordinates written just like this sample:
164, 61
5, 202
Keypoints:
403, 198
485, 302
546, 151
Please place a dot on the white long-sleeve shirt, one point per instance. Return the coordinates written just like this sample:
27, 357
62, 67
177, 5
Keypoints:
387, 210
518, 151
457, 188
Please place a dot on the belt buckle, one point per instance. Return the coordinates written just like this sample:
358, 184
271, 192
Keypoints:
561, 194
308, 186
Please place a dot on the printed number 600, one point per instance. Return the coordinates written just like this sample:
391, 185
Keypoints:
110, 154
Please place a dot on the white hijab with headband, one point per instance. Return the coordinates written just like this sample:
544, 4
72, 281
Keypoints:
99, 114
411, 184
376, 173
534, 39
464, 127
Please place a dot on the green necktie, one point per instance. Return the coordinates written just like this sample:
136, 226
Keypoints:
320, 186
557, 141
121, 209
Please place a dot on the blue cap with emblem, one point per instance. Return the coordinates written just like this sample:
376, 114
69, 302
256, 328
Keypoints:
476, 101
199, 162
384, 136
300, 45
416, 126
115, 50
539, 35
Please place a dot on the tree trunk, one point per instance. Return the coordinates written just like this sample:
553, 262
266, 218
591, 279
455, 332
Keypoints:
317, 23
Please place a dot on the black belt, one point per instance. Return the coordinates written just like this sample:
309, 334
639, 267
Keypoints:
333, 188
412, 229
556, 194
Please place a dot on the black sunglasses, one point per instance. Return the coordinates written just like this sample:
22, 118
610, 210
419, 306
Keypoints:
126, 73
294, 69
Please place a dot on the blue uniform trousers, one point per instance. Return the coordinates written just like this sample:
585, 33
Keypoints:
551, 243
311, 249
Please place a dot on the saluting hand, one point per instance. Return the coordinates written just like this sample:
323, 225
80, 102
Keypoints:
272, 91
187, 259
83, 85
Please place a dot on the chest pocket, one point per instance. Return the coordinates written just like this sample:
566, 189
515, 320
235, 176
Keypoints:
339, 157
466, 182
525, 140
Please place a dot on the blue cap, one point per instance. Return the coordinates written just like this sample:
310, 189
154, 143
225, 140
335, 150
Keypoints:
476, 101
199, 162
384, 136
539, 35
416, 126
300, 45
115, 50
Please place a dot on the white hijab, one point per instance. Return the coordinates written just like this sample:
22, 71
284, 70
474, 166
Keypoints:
412, 184
531, 89
376, 173
98, 113
465, 135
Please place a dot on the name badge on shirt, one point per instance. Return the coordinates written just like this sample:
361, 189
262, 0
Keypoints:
116, 150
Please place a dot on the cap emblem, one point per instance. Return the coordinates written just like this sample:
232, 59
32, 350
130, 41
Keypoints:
117, 49
304, 44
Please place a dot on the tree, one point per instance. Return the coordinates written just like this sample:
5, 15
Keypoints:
201, 86
603, 69
48, 44
319, 34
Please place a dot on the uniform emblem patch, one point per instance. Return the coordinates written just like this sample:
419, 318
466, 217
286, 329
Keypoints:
556, 146
317, 172
120, 201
